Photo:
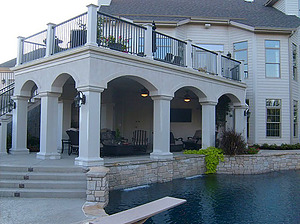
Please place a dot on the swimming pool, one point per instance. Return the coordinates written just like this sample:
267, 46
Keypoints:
265, 198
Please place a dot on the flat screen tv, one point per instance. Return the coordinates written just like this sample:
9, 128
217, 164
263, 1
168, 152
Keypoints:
181, 115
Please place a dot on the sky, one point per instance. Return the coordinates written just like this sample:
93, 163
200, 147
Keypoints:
27, 17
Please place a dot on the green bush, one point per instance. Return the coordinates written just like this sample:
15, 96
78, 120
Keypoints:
212, 157
233, 143
252, 150
283, 146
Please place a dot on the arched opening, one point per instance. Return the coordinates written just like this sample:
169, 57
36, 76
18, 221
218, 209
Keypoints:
225, 114
126, 118
186, 119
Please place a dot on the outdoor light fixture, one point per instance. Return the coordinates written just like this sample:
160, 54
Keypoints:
79, 99
144, 92
187, 98
3, 81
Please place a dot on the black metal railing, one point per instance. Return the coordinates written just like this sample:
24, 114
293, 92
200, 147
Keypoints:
204, 60
168, 49
230, 68
6, 103
70, 34
34, 47
118, 34
6, 78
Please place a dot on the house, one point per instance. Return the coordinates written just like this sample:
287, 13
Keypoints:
185, 69
264, 34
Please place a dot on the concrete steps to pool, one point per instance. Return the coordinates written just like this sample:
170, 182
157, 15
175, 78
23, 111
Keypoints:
42, 182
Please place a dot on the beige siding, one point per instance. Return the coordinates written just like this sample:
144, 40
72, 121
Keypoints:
280, 5
292, 7
272, 88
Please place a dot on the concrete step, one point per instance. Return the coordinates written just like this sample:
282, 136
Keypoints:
42, 193
41, 176
42, 184
43, 169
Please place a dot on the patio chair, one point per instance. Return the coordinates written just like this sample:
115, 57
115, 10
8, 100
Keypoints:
177, 60
169, 57
74, 141
194, 143
140, 140
174, 146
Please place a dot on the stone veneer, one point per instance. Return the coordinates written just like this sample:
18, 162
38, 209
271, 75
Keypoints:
130, 174
270, 160
134, 173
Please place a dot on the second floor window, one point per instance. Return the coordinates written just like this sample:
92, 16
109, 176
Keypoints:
272, 58
294, 54
240, 53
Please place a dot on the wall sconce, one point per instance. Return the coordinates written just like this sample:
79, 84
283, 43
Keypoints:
3, 81
11, 105
247, 112
187, 97
79, 99
144, 92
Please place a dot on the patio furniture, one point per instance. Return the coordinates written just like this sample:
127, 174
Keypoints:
174, 146
177, 60
169, 57
113, 146
74, 141
140, 140
65, 142
193, 143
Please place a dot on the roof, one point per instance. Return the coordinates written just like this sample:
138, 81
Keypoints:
9, 64
254, 14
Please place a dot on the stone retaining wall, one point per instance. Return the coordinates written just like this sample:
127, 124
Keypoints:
260, 163
130, 174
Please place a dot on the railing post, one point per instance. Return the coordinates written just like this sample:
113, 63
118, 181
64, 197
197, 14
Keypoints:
219, 64
50, 39
242, 71
148, 41
189, 54
20, 50
92, 25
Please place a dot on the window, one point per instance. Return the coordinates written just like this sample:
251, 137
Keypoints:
240, 52
213, 47
273, 117
272, 58
294, 48
295, 118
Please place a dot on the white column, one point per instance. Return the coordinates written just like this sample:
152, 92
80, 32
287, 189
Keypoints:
59, 125
20, 51
49, 126
208, 124
240, 121
50, 39
242, 71
89, 128
148, 42
92, 25
189, 56
3, 133
19, 126
161, 128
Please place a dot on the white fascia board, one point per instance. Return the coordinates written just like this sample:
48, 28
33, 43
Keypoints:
242, 26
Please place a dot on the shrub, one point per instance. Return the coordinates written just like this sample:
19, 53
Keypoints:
232, 143
252, 150
212, 157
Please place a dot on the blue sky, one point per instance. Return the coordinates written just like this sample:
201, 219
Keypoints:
27, 17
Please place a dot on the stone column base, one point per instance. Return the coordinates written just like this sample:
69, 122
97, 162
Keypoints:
48, 156
161, 156
89, 162
19, 151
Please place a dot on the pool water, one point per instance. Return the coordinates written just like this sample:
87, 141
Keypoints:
265, 198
